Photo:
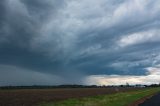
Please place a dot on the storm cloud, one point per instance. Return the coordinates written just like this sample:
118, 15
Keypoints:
69, 41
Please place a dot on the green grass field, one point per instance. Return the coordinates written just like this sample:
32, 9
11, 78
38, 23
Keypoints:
118, 99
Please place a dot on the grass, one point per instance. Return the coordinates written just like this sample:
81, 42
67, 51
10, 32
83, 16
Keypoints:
118, 99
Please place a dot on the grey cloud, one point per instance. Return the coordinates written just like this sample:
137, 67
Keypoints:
11, 75
75, 39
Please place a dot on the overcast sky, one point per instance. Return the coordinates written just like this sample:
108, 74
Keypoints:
47, 42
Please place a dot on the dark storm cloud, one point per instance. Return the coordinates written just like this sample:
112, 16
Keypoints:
75, 39
19, 26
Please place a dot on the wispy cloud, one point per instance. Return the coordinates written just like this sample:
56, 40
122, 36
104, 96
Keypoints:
140, 37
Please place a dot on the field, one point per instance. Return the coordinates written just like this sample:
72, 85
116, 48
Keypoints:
73, 96
118, 99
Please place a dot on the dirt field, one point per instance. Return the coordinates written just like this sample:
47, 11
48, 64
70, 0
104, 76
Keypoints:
32, 97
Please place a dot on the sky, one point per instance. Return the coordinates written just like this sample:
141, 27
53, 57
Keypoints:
100, 42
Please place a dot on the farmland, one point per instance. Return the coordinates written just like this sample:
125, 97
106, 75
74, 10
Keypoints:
70, 96
118, 99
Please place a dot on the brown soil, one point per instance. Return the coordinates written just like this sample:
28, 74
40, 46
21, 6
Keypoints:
31, 97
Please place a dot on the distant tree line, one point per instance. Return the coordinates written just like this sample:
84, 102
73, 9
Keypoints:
75, 86
49, 87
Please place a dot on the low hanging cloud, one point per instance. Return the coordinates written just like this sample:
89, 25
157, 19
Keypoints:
152, 77
75, 39
17, 76
11, 75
